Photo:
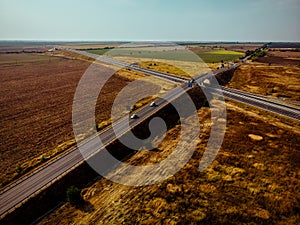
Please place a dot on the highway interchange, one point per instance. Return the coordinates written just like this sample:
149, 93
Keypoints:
233, 94
17, 193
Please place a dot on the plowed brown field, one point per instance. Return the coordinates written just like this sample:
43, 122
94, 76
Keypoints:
36, 109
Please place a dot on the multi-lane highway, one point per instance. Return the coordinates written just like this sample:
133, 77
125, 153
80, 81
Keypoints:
261, 102
34, 182
161, 75
229, 93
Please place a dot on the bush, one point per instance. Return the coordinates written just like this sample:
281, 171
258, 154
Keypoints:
134, 107
43, 158
249, 52
73, 195
97, 127
19, 169
261, 53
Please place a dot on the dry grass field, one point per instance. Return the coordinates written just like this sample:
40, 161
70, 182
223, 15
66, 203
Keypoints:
273, 80
254, 179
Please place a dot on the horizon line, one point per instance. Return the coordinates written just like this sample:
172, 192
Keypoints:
164, 41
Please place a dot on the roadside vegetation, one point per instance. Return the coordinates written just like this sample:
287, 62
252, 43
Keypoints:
97, 51
74, 195
256, 53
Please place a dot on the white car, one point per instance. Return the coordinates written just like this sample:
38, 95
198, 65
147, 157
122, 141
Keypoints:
206, 82
134, 116
153, 104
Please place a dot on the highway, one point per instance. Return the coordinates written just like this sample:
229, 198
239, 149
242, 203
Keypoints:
229, 93
161, 75
17, 193
261, 102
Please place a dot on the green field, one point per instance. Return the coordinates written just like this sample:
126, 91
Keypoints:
208, 57
219, 55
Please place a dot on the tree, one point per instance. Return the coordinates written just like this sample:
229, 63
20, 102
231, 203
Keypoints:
97, 127
134, 107
73, 195
249, 52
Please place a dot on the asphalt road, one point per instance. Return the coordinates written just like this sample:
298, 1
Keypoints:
15, 194
261, 102
236, 95
31, 184
161, 75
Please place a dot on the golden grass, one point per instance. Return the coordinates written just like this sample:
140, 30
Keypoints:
163, 67
181, 68
236, 188
269, 80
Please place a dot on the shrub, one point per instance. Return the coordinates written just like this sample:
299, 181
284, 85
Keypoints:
97, 127
19, 169
73, 195
43, 158
134, 107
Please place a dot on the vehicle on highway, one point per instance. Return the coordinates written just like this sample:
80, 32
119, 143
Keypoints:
205, 83
153, 104
134, 116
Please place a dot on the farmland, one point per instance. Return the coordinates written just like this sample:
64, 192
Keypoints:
220, 55
36, 95
16, 59
253, 178
236, 47
36, 102
208, 56
284, 58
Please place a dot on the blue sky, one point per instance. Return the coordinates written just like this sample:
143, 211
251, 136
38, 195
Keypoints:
159, 20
